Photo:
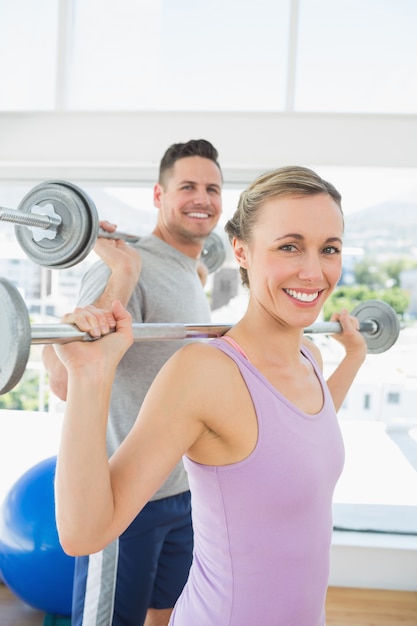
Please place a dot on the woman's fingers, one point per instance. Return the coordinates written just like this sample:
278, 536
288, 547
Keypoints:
92, 320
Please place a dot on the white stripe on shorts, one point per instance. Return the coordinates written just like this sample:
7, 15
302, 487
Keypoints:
101, 587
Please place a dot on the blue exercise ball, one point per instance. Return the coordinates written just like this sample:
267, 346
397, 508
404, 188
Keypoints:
32, 562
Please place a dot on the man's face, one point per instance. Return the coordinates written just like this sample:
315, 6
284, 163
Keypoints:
189, 200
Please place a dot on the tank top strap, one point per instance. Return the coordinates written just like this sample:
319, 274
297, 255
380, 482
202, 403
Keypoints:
235, 345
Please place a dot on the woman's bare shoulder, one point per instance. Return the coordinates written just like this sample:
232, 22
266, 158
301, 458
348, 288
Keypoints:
201, 356
197, 357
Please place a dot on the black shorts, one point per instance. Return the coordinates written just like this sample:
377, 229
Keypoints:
147, 567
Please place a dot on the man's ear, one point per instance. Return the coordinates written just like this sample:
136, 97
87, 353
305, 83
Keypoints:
239, 250
157, 193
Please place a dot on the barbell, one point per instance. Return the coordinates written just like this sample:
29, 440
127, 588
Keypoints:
377, 321
57, 225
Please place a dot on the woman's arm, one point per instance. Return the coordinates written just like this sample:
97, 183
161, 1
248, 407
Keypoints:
97, 499
354, 343
82, 479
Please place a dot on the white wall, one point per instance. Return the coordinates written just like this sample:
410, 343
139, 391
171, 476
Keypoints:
127, 146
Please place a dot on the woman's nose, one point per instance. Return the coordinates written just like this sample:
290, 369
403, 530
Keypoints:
311, 268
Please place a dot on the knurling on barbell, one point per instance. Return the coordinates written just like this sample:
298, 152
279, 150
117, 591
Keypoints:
379, 325
68, 227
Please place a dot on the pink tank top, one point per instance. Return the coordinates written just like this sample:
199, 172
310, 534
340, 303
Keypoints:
263, 526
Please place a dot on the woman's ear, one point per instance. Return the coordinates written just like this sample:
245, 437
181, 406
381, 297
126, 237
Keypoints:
239, 250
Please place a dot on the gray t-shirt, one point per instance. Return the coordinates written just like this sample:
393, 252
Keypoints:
169, 290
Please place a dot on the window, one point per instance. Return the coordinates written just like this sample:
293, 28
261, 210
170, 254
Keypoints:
356, 56
28, 42
393, 397
179, 55
272, 55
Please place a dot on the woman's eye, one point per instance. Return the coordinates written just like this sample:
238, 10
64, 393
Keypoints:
289, 247
331, 250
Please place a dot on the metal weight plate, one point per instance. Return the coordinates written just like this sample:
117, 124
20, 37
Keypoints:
386, 319
15, 336
76, 234
214, 254
93, 233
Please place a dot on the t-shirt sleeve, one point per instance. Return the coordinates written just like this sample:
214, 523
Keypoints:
93, 283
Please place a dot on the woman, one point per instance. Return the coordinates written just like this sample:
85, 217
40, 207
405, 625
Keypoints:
250, 412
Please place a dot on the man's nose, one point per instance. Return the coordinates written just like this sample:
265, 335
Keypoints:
201, 197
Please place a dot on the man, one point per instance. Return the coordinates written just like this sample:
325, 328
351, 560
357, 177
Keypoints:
137, 579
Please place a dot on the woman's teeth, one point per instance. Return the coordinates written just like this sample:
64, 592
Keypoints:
303, 297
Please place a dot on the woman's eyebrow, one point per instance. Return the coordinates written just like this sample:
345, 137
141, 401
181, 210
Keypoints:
301, 237
290, 235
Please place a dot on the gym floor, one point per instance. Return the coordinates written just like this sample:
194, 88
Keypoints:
345, 607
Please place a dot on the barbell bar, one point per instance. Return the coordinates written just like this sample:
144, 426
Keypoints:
57, 225
377, 321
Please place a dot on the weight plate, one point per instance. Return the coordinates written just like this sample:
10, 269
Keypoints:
214, 254
92, 234
15, 336
386, 320
76, 234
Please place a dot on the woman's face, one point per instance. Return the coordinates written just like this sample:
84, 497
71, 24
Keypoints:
294, 258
